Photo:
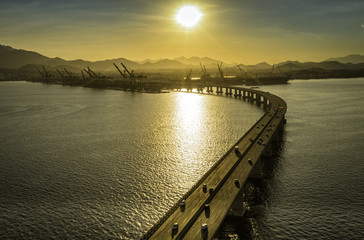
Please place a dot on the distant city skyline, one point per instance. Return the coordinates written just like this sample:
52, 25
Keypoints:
246, 32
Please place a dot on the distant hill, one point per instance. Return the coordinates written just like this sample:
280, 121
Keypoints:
196, 60
353, 58
11, 58
14, 58
35, 67
263, 65
150, 60
28, 61
163, 64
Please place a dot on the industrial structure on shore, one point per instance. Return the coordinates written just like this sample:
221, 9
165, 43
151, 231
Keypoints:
130, 81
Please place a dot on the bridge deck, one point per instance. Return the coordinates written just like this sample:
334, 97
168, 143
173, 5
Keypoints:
221, 181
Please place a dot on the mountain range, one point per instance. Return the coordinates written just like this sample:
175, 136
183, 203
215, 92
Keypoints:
353, 58
24, 60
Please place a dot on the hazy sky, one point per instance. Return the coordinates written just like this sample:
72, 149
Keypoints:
241, 31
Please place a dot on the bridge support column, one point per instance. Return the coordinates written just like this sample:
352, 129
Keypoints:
238, 207
226, 91
257, 171
250, 95
268, 150
237, 93
257, 99
275, 136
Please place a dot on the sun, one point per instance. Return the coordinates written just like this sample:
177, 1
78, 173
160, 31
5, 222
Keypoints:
188, 16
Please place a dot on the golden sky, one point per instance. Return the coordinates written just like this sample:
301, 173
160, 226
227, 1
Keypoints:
240, 31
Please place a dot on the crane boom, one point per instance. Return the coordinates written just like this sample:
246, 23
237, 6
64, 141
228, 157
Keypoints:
68, 73
272, 69
241, 70
220, 70
62, 76
92, 72
130, 74
89, 73
188, 75
41, 73
45, 72
122, 74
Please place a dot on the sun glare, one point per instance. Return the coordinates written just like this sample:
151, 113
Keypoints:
188, 16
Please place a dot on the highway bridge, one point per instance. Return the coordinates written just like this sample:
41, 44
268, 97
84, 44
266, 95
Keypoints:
199, 213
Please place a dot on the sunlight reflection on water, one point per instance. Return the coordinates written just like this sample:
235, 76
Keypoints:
83, 163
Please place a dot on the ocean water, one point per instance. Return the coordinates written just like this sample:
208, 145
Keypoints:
315, 188
80, 163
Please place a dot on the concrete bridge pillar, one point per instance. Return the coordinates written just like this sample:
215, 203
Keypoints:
237, 93
257, 171
238, 207
257, 99
275, 136
268, 150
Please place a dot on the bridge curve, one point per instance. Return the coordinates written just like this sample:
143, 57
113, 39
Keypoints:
200, 211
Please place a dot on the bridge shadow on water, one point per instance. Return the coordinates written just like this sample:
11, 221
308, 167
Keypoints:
258, 192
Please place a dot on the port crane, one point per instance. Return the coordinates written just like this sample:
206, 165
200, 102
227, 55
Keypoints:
91, 73
61, 74
41, 73
278, 69
131, 74
205, 74
121, 73
188, 75
220, 73
128, 74
68, 73
44, 74
242, 71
